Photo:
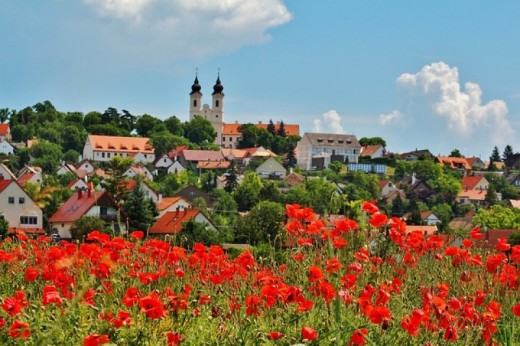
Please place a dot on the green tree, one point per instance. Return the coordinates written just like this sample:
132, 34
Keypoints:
444, 212
247, 194
4, 228
84, 225
46, 155
322, 193
5, 114
165, 141
271, 128
497, 217
252, 136
398, 208
290, 161
174, 125
146, 125
231, 178
514, 238
199, 130
117, 167
73, 138
281, 130
455, 153
91, 119
495, 155
364, 141
262, 224
508, 152
224, 205
197, 232
139, 209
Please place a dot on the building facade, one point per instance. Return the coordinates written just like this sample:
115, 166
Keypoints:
315, 151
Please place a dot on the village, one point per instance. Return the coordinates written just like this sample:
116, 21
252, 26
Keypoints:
229, 182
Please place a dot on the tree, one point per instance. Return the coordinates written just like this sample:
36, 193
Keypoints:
281, 130
321, 192
199, 130
397, 206
290, 161
250, 136
224, 205
364, 141
5, 114
455, 153
495, 155
271, 128
262, 224
247, 194
84, 225
497, 217
146, 125
514, 238
73, 138
508, 152
197, 232
4, 228
46, 155
165, 141
231, 178
444, 212
117, 167
139, 209
174, 125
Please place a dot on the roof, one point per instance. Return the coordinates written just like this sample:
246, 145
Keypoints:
454, 162
369, 150
417, 153
470, 182
4, 129
332, 140
259, 152
232, 129
383, 182
236, 153
271, 165
25, 178
6, 170
213, 164
474, 195
190, 192
515, 203
463, 223
491, 237
203, 155
472, 160
28, 230
78, 205
165, 202
171, 221
4, 183
422, 228
116, 143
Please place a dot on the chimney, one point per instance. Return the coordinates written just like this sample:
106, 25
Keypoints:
80, 192
160, 197
89, 192
260, 123
177, 211
185, 211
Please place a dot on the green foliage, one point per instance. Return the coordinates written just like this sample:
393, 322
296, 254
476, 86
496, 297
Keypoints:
231, 178
364, 141
199, 130
497, 217
247, 194
263, 224
508, 152
146, 125
495, 156
139, 209
322, 193
514, 238
444, 212
165, 141
84, 225
197, 232
4, 228
455, 153
46, 155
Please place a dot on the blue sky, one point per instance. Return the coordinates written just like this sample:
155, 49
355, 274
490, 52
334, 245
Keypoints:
421, 74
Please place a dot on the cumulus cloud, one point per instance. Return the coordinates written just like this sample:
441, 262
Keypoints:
329, 122
165, 29
390, 117
464, 116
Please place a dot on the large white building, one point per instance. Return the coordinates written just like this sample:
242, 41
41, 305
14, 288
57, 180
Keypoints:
103, 148
315, 151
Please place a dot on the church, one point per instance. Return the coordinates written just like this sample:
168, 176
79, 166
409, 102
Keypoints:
227, 134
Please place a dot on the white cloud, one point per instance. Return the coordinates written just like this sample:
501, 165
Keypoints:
330, 122
390, 117
467, 120
168, 29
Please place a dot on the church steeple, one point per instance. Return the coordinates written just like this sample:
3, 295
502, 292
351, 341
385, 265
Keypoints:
195, 98
218, 87
195, 88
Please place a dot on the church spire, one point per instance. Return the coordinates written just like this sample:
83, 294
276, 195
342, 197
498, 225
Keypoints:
218, 87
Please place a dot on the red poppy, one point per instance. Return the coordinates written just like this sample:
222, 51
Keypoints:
503, 245
51, 296
370, 208
96, 340
339, 243
450, 334
314, 274
137, 235
378, 314
173, 338
475, 233
131, 297
19, 330
467, 243
12, 306
152, 306
275, 335
333, 265
31, 274
309, 334
516, 310
253, 303
378, 220
358, 337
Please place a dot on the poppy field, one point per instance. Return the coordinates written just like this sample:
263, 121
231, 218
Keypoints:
354, 282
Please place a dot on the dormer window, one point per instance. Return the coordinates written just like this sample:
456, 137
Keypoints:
330, 141
340, 141
319, 140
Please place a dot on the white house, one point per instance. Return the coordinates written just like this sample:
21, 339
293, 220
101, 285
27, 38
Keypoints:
18, 209
315, 151
175, 168
103, 148
271, 169
6, 173
168, 204
142, 171
6, 148
163, 162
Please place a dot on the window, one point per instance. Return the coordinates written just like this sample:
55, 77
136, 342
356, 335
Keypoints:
103, 211
10, 200
28, 220
230, 139
217, 104
102, 154
194, 103
223, 139
108, 155
21, 200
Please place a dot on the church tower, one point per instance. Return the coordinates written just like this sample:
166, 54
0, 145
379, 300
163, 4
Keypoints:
218, 101
195, 99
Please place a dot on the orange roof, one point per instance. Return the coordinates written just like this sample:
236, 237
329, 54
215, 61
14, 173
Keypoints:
382, 183
470, 182
4, 183
121, 144
423, 229
165, 202
232, 129
213, 164
260, 151
171, 222
25, 178
454, 162
369, 150
29, 230
475, 195
4, 129
237, 153
76, 206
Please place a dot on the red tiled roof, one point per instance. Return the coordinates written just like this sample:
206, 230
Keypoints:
475, 195
121, 144
4, 128
232, 129
470, 182
203, 155
382, 183
171, 222
25, 178
76, 206
29, 230
165, 202
237, 153
453, 162
213, 164
369, 150
4, 183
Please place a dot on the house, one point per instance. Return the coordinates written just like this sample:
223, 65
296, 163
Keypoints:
462, 223
425, 229
315, 151
271, 169
100, 148
88, 203
259, 152
294, 179
141, 171
163, 162
29, 174
175, 168
87, 166
416, 155
476, 163
417, 187
474, 183
514, 203
213, 165
513, 162
386, 187
471, 197
66, 168
6, 173
5, 132
372, 151
77, 184
239, 157
18, 209
172, 222
167, 204
514, 179
393, 195
458, 163
193, 157
190, 193
6, 148
148, 191
426, 217
231, 134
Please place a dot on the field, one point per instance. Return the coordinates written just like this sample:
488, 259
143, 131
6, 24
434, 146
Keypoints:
352, 283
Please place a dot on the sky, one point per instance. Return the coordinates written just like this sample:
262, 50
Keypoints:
437, 75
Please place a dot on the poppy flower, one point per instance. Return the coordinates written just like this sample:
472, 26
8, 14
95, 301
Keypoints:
96, 340
370, 208
173, 338
12, 306
516, 310
137, 235
378, 220
333, 265
151, 306
275, 335
309, 334
314, 274
31, 274
503, 245
358, 337
378, 314
19, 330
51, 296
475, 233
